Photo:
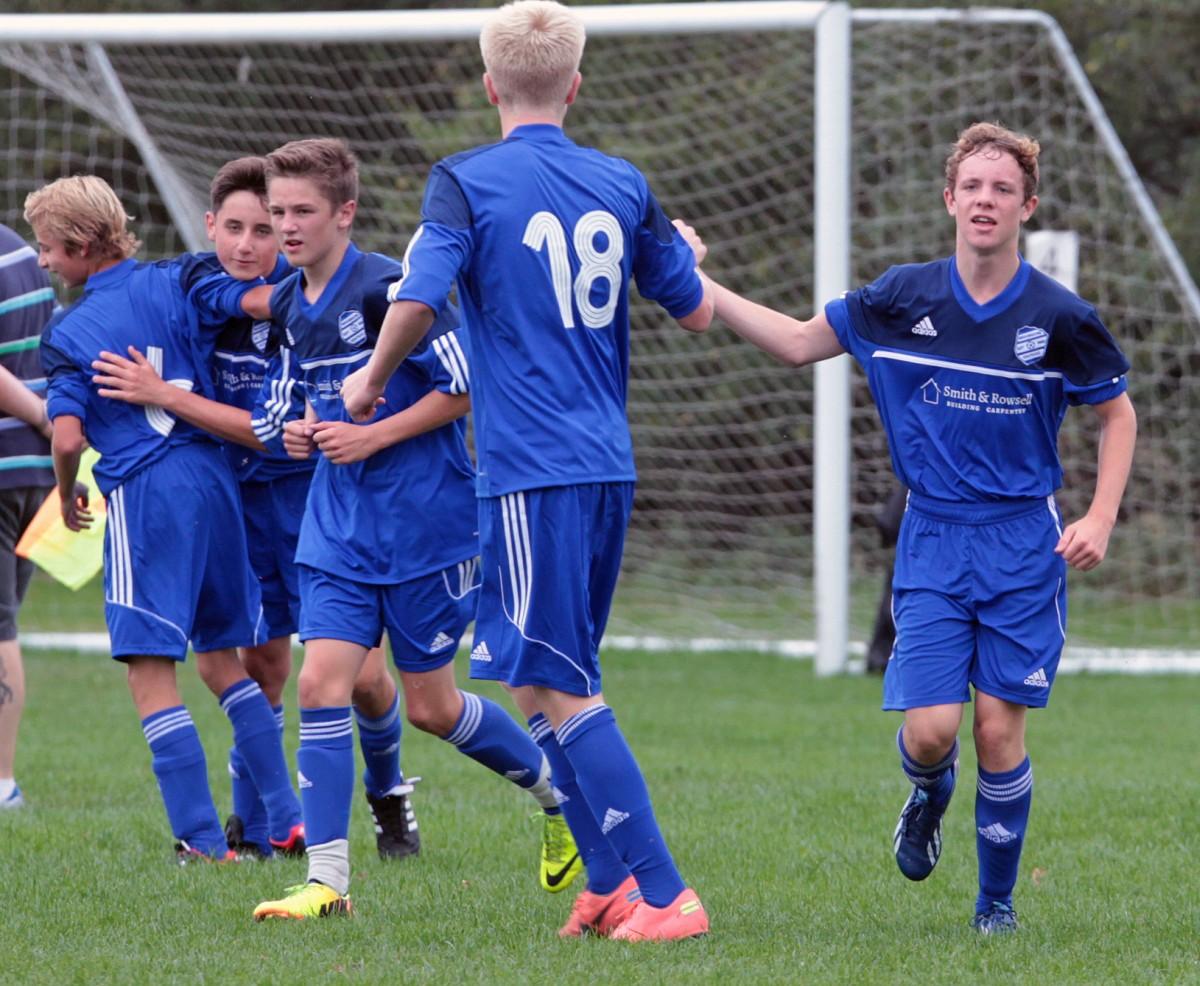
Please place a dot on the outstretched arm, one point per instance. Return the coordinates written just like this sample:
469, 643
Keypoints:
1084, 543
135, 381
404, 325
788, 339
343, 442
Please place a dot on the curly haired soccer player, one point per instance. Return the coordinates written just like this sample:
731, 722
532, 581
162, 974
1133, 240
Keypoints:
543, 238
973, 361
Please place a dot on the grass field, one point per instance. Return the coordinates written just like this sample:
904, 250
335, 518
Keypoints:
778, 792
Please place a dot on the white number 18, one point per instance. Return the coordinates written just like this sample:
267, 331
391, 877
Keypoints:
544, 230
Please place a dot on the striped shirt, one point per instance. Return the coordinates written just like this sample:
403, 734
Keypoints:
26, 303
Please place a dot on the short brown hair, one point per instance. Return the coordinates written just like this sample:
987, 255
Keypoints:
977, 136
326, 161
532, 50
243, 174
83, 211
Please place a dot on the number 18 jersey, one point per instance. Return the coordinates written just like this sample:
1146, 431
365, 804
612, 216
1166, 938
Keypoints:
543, 238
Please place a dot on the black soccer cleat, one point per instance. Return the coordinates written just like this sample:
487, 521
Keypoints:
235, 835
396, 834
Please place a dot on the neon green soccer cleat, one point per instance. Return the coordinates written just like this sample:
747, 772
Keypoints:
308, 900
560, 858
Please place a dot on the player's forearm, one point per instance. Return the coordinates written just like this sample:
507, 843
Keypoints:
701, 318
257, 302
404, 325
66, 449
1114, 461
222, 420
788, 339
431, 411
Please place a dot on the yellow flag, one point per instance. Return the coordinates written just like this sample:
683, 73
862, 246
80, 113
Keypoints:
72, 557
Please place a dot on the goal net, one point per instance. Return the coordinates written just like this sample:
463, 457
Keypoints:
722, 124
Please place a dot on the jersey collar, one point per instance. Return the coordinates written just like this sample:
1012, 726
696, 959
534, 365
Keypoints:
1002, 301
537, 131
313, 309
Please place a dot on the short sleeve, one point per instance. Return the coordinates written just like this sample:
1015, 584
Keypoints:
434, 257
67, 385
1091, 362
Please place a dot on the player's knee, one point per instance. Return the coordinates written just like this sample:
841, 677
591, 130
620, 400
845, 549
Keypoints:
994, 736
928, 742
432, 716
270, 665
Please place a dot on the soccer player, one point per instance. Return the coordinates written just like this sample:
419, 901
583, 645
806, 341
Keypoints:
973, 360
26, 473
273, 486
175, 551
543, 238
387, 542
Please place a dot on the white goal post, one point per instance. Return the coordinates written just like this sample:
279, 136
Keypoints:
804, 139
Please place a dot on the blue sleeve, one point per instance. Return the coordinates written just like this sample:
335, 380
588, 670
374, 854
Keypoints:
281, 399
218, 297
857, 316
383, 274
67, 386
1091, 362
441, 247
664, 265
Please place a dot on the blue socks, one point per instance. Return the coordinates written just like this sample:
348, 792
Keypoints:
613, 787
247, 805
489, 735
178, 761
605, 871
326, 772
1001, 814
379, 740
257, 739
937, 780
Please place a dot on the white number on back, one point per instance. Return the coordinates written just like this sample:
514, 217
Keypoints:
544, 230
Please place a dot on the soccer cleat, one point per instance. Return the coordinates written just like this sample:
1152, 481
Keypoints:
917, 840
235, 835
308, 900
186, 855
396, 834
560, 857
293, 845
684, 917
14, 800
601, 914
998, 919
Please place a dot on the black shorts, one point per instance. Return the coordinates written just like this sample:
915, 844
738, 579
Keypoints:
17, 508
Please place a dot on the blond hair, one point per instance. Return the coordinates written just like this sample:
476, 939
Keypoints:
532, 49
1023, 149
325, 161
82, 211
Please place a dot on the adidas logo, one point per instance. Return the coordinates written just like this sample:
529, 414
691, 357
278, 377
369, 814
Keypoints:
302, 781
924, 328
441, 642
481, 653
612, 818
1038, 679
997, 833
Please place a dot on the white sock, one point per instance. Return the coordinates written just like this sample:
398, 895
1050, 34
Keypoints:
7, 786
541, 789
329, 864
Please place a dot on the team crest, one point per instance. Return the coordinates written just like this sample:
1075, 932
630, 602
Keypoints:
352, 328
1030, 344
259, 333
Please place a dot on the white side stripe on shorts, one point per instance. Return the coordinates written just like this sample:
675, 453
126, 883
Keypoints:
520, 557
118, 549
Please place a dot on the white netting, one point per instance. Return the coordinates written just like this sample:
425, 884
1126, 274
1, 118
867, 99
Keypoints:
722, 125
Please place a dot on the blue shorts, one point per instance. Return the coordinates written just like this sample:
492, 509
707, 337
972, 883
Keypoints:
979, 597
550, 560
424, 618
175, 563
273, 511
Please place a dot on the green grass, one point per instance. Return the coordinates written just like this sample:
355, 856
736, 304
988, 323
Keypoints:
777, 791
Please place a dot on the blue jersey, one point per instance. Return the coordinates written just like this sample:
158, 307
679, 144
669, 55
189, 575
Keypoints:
26, 304
543, 238
241, 352
130, 304
408, 510
972, 396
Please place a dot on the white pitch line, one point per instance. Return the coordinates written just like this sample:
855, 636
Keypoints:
1075, 660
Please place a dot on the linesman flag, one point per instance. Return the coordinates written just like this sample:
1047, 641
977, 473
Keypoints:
72, 557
